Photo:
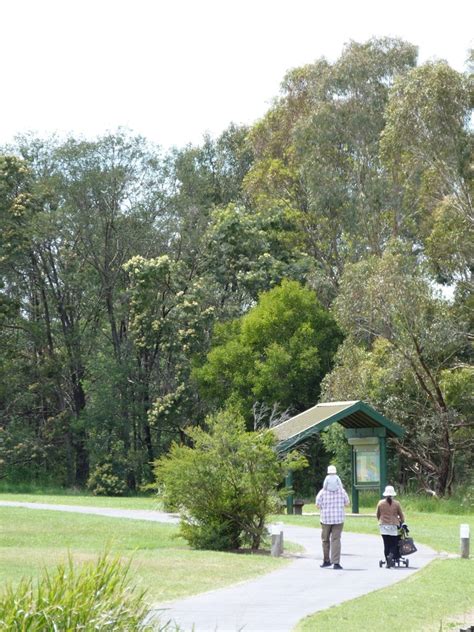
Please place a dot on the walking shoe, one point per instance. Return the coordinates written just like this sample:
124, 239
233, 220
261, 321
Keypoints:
324, 564
337, 567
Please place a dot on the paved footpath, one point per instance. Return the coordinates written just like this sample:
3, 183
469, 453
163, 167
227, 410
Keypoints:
277, 601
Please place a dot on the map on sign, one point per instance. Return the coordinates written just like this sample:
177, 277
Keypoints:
367, 467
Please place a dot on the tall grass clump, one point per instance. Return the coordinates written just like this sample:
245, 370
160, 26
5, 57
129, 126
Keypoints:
94, 596
461, 501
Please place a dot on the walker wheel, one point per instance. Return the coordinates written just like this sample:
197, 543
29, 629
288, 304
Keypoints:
381, 563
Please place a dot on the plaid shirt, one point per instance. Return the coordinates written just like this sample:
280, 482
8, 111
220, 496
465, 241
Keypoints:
332, 505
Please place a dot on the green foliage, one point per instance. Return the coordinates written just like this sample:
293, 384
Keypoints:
336, 444
427, 145
96, 596
412, 340
426, 137
277, 353
121, 269
250, 251
17, 205
225, 486
458, 387
107, 479
317, 156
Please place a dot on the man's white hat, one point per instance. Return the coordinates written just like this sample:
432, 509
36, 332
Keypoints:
389, 491
332, 469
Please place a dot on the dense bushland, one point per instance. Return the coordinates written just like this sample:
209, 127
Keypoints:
323, 253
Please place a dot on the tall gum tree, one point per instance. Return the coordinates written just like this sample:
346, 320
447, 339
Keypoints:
318, 156
389, 299
427, 146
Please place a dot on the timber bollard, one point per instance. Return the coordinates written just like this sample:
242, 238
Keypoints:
464, 534
277, 541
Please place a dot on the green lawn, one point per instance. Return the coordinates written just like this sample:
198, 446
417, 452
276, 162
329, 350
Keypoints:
31, 540
437, 598
425, 601
438, 530
70, 498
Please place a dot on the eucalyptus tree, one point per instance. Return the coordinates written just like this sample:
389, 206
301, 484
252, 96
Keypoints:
28, 396
318, 155
113, 196
97, 204
413, 340
427, 145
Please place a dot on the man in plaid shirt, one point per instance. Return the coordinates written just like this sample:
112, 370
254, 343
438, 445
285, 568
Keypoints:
331, 504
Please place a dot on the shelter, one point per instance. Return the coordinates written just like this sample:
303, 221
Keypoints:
366, 431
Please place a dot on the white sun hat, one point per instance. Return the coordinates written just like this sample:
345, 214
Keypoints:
389, 491
332, 469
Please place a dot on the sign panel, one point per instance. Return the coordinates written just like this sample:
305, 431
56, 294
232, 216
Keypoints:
367, 466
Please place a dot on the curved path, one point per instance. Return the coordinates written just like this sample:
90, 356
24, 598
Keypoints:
277, 601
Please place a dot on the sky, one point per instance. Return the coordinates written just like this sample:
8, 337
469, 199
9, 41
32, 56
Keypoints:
175, 70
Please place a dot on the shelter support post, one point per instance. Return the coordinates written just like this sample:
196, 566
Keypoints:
383, 463
354, 491
289, 496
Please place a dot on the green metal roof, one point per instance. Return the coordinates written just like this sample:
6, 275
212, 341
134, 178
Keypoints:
353, 414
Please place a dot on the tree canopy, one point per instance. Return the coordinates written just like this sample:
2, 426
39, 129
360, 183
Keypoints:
325, 251
277, 353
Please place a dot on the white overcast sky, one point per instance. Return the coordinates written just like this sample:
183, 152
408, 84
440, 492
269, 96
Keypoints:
173, 70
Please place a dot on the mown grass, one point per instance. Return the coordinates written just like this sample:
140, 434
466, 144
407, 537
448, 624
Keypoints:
426, 600
78, 498
434, 599
32, 540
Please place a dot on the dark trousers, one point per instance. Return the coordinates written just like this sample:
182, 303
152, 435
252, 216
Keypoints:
390, 545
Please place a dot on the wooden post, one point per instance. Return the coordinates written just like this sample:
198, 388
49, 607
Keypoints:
355, 491
383, 463
277, 541
289, 498
464, 534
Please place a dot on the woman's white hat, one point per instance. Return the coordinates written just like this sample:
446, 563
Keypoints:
389, 491
332, 469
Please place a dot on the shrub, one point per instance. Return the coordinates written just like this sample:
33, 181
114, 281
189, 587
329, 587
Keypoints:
224, 487
106, 481
93, 597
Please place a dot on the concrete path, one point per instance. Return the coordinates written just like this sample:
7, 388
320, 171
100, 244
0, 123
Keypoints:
277, 601
132, 514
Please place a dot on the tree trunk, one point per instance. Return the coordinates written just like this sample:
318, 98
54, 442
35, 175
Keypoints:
81, 455
447, 459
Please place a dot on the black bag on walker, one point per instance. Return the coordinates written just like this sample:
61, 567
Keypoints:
406, 546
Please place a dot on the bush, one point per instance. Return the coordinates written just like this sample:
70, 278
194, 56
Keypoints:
95, 597
225, 487
106, 481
